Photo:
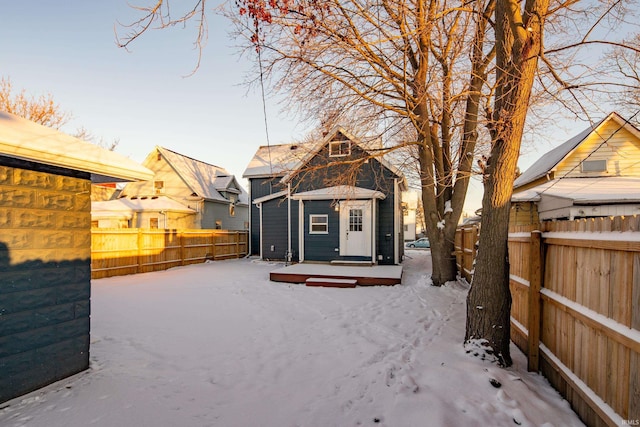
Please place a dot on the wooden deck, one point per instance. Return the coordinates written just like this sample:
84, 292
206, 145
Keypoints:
371, 275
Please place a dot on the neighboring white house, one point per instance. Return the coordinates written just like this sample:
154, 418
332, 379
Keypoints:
142, 212
409, 210
211, 191
596, 173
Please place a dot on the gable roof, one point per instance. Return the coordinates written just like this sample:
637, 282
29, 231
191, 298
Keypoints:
329, 137
23, 139
204, 179
601, 190
548, 162
282, 160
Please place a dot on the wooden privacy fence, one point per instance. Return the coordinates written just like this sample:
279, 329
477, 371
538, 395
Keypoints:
116, 252
575, 313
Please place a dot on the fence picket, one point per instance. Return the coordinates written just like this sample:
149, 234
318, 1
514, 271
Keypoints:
116, 252
581, 279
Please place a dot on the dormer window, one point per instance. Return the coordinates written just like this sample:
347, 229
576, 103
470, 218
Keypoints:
594, 166
339, 148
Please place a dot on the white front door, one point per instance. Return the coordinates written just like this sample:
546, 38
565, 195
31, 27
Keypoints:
355, 228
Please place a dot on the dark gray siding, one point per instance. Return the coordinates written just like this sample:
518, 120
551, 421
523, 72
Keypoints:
274, 229
45, 276
372, 175
259, 187
321, 247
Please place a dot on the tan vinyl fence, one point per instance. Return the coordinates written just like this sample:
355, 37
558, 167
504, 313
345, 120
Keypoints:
576, 311
116, 252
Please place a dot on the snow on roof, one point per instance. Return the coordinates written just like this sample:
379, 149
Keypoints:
276, 160
138, 204
315, 148
339, 192
586, 190
23, 139
204, 179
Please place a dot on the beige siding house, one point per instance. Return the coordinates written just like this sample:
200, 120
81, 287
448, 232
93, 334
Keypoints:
194, 192
596, 173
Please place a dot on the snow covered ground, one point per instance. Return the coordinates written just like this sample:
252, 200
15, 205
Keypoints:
217, 344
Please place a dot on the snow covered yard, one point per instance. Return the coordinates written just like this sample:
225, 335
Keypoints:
217, 344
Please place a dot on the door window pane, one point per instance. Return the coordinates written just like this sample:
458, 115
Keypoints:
355, 219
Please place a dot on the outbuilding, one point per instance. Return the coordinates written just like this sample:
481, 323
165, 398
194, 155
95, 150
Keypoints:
45, 250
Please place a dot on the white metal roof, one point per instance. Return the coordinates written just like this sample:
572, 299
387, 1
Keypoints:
275, 160
138, 204
204, 179
339, 192
603, 190
23, 139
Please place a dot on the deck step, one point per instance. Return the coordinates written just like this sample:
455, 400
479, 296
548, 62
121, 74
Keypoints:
329, 282
352, 263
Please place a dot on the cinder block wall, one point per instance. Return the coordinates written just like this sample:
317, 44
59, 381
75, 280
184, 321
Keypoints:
45, 273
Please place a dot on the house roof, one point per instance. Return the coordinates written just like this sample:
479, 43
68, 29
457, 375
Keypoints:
204, 179
276, 160
339, 192
128, 205
317, 147
23, 139
282, 160
548, 162
602, 190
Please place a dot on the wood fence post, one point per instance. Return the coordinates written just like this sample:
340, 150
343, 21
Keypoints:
536, 274
182, 248
213, 245
139, 270
237, 244
634, 362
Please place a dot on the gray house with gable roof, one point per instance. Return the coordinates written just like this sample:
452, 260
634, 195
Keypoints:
211, 193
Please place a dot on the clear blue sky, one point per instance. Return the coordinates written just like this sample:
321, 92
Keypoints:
68, 49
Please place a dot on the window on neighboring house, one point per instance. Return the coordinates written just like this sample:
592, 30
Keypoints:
594, 166
153, 222
246, 225
158, 186
232, 209
218, 224
318, 224
406, 228
339, 148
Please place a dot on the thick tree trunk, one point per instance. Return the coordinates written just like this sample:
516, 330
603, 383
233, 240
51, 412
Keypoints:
442, 261
489, 299
518, 43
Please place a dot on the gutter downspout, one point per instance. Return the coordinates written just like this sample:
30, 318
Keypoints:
289, 254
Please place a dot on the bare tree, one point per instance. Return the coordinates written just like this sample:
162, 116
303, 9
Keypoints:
43, 109
400, 67
437, 74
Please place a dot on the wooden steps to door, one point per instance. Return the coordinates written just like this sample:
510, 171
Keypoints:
329, 282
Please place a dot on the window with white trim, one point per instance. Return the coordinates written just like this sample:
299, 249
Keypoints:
339, 148
318, 224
